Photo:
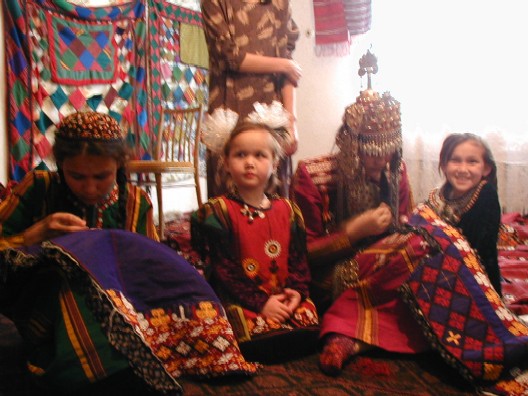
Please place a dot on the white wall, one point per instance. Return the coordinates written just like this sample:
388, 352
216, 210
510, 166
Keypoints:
328, 85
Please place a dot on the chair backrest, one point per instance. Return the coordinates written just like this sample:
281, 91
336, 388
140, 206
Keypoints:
179, 135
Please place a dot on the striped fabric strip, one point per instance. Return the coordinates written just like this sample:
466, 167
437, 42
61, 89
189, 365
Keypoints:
80, 337
336, 21
367, 325
358, 15
133, 204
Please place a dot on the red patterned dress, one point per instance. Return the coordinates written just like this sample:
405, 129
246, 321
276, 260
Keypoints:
254, 254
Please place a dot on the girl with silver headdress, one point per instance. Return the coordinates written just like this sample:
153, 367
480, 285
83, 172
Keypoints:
350, 200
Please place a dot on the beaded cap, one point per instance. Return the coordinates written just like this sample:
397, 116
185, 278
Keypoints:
374, 119
89, 126
371, 126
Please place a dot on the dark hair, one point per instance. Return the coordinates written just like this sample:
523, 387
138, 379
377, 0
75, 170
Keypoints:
223, 178
116, 149
68, 148
452, 141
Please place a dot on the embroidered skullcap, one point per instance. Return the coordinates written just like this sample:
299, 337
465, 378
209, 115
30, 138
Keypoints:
89, 125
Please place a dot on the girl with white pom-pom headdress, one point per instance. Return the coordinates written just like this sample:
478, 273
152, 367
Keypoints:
254, 243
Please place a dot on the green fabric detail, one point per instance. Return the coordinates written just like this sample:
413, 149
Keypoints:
19, 149
177, 74
94, 101
115, 115
65, 5
126, 91
59, 97
166, 91
193, 48
19, 92
100, 13
42, 166
142, 97
43, 123
131, 139
144, 141
45, 74
65, 372
84, 55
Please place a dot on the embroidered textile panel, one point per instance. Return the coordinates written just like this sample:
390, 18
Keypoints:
63, 58
176, 83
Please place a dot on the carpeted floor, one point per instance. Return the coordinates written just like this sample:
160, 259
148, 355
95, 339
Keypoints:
376, 374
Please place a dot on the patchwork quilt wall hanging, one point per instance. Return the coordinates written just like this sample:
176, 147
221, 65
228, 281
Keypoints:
125, 59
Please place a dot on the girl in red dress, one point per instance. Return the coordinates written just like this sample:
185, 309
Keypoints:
255, 244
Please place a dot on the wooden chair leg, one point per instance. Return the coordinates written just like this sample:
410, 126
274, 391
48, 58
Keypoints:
161, 219
198, 189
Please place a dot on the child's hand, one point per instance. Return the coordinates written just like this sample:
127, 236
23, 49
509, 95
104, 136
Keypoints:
276, 308
293, 298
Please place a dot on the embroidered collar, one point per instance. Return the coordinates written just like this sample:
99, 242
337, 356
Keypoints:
453, 209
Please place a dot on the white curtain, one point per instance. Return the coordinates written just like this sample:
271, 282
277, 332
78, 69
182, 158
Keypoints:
457, 66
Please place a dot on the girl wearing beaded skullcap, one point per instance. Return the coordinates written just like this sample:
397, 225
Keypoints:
89, 303
415, 285
88, 190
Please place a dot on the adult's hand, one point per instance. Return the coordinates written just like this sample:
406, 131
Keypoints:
292, 70
371, 222
54, 225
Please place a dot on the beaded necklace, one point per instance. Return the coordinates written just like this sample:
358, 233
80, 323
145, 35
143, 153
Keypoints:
453, 209
250, 211
97, 211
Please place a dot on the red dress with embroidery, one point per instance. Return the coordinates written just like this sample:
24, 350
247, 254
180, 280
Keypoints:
253, 255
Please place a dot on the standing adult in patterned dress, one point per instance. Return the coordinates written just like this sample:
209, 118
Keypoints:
250, 46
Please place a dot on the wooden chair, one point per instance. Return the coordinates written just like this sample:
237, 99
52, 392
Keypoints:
176, 151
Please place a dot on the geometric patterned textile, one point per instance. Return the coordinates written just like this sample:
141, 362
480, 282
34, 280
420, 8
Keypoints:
81, 56
462, 315
174, 84
151, 305
63, 58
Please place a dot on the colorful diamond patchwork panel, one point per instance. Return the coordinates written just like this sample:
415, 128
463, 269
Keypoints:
81, 53
175, 84
63, 58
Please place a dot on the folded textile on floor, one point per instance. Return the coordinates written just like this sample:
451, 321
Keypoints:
151, 305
